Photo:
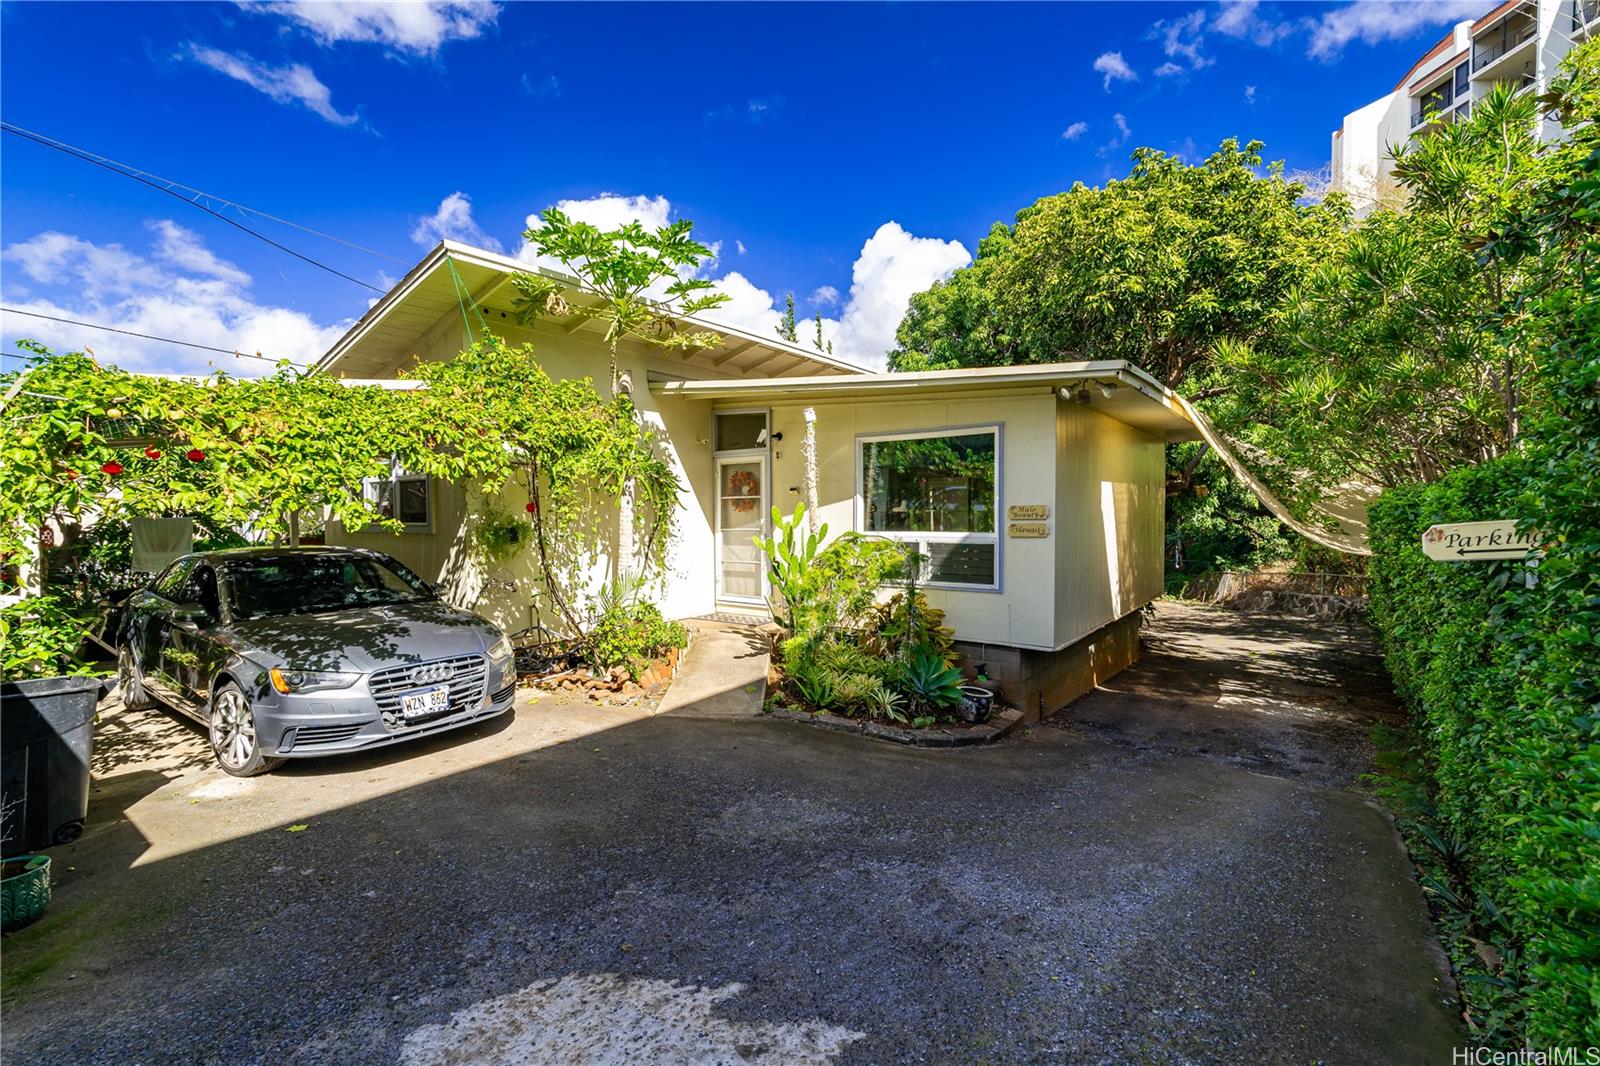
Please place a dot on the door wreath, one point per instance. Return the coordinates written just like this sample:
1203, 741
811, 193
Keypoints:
743, 488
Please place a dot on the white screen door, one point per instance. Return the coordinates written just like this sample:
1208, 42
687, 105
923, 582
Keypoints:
741, 518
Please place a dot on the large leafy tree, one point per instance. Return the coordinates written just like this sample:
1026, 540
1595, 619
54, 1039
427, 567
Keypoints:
1153, 268
1158, 268
1390, 361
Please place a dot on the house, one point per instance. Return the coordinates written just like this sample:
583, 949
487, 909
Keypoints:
1035, 494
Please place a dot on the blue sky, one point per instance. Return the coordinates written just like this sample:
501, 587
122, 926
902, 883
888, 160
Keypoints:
849, 153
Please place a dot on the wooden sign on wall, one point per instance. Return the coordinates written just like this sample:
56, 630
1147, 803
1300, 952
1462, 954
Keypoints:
1029, 530
1027, 512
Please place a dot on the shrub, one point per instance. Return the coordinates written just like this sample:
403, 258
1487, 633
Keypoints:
1499, 677
906, 622
42, 636
813, 685
629, 635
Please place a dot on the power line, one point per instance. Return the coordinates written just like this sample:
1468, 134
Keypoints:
131, 170
145, 336
141, 178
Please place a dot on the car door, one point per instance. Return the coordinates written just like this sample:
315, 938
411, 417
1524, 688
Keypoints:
190, 655
149, 625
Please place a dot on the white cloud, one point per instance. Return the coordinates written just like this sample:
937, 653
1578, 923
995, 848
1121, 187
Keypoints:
182, 290
1168, 69
751, 111
548, 86
1182, 38
417, 27
453, 221
610, 210
183, 248
1372, 21
1074, 131
1238, 18
891, 266
740, 246
1250, 95
292, 84
1115, 68
1123, 133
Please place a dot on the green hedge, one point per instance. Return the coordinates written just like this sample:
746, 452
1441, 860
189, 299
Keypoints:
1500, 680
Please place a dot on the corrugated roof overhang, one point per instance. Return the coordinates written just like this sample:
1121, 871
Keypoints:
1115, 388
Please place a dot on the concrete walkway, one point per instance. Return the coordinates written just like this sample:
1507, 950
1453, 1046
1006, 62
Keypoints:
722, 675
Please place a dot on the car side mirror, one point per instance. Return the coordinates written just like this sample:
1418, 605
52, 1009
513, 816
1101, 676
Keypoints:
191, 612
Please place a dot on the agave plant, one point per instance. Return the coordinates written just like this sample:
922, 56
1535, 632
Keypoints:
928, 681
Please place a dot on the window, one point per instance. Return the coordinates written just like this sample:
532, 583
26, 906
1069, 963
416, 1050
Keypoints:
403, 495
741, 431
935, 493
310, 581
169, 586
1463, 72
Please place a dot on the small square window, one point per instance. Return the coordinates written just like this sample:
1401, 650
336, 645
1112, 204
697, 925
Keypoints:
741, 431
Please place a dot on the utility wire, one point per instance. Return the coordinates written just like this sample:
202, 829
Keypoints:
144, 336
171, 189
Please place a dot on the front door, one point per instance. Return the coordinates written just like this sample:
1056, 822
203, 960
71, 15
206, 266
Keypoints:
741, 518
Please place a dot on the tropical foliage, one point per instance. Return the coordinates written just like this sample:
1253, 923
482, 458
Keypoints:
91, 445
1497, 660
844, 646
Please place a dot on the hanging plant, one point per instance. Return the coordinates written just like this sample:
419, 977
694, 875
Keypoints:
498, 535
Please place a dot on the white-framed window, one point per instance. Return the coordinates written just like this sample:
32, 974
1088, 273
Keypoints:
937, 492
403, 495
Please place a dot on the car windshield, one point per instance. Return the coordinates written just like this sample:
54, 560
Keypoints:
298, 584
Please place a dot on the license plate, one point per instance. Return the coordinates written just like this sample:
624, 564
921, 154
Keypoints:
425, 701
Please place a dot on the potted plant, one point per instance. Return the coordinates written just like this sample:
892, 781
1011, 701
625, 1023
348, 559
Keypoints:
976, 703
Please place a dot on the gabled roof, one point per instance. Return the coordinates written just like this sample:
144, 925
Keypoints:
392, 327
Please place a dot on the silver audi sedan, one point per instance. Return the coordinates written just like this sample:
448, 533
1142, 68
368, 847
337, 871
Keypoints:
287, 653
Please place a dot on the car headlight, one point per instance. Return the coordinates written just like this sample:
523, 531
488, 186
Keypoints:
287, 681
500, 651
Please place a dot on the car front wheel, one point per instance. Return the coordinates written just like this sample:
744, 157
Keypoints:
234, 739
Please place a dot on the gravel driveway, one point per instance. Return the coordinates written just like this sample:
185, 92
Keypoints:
1177, 869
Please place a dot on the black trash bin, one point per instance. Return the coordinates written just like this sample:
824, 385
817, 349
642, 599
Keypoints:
46, 739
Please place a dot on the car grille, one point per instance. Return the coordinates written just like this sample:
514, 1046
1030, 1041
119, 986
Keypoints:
466, 687
307, 735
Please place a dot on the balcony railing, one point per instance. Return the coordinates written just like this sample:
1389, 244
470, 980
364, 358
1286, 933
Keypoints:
1584, 12
1487, 49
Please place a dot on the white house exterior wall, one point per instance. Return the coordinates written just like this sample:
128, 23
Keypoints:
444, 556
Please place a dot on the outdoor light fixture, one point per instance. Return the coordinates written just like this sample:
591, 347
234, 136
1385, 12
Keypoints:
1107, 388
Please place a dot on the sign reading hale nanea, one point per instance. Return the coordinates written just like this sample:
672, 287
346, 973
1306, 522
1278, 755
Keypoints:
1462, 542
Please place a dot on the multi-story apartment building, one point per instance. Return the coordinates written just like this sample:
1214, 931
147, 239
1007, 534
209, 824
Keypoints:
1520, 41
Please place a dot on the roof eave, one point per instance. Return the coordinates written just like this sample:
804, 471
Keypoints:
447, 249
